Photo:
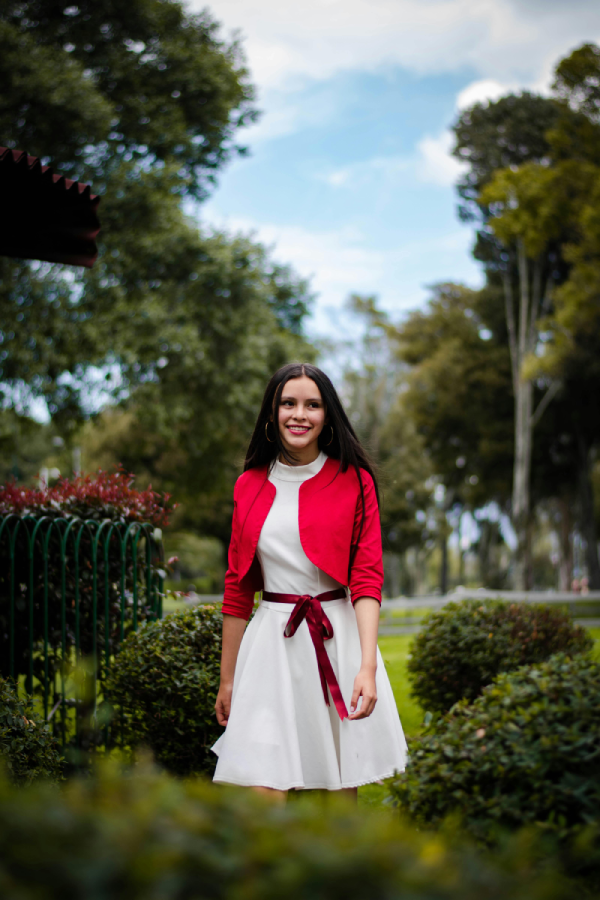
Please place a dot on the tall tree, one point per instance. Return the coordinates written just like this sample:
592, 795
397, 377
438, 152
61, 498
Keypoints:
141, 98
531, 217
541, 212
179, 327
459, 392
373, 390
156, 84
509, 188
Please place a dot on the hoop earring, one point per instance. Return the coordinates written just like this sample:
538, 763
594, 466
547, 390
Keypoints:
331, 438
267, 434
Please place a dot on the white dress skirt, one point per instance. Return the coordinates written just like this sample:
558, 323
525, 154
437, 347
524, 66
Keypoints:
281, 734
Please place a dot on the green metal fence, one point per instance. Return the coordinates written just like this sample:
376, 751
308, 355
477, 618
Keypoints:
70, 592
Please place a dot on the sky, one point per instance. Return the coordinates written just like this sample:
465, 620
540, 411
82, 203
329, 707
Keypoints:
350, 177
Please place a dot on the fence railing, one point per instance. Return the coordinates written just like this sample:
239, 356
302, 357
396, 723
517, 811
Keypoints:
70, 592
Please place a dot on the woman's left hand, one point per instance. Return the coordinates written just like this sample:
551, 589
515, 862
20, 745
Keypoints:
365, 687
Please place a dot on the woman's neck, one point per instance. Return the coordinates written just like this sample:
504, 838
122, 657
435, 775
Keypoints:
303, 458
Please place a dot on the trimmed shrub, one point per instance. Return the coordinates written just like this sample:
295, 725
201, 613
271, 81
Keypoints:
526, 751
150, 837
27, 748
163, 686
466, 645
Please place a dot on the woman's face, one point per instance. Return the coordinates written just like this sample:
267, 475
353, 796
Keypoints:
302, 416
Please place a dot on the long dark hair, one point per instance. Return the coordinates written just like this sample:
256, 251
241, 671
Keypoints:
342, 444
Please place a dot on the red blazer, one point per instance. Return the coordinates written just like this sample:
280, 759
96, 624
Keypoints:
329, 519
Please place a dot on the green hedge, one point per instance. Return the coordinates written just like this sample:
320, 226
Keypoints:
27, 748
152, 837
163, 687
527, 751
466, 645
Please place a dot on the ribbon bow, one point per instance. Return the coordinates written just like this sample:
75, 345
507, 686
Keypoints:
321, 630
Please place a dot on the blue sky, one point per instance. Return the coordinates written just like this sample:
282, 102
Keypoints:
350, 178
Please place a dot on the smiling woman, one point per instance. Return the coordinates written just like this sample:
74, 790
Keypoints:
301, 419
306, 533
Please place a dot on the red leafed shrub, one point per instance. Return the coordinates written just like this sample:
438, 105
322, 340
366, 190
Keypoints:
103, 496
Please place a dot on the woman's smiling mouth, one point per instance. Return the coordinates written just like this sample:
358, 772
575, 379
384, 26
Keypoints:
298, 429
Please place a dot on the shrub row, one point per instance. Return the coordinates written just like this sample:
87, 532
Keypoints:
151, 837
527, 751
466, 645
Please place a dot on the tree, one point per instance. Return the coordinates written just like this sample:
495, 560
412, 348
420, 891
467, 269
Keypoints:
520, 186
541, 213
143, 99
496, 135
458, 397
531, 216
194, 342
174, 91
373, 395
459, 393
176, 330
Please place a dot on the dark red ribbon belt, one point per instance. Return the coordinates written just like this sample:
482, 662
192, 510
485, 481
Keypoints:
320, 629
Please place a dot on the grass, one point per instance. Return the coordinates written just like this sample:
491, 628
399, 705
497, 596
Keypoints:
395, 650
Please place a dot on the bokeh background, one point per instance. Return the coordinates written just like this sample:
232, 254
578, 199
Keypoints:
371, 186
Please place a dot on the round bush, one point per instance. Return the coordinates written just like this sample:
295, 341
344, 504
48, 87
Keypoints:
526, 751
27, 748
146, 837
163, 687
466, 645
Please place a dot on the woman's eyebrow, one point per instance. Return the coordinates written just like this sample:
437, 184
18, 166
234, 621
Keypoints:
309, 400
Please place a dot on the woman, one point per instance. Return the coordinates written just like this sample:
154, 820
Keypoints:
305, 530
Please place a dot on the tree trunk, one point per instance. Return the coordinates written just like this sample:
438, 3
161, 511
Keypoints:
565, 570
461, 553
522, 331
444, 565
521, 483
588, 523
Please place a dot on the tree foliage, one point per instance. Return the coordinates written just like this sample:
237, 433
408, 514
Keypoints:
177, 325
459, 394
146, 82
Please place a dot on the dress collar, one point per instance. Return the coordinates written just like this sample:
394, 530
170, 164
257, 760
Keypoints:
282, 472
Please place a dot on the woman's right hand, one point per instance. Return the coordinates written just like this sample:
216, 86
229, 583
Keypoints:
223, 704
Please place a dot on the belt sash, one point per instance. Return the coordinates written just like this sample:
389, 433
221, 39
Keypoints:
320, 629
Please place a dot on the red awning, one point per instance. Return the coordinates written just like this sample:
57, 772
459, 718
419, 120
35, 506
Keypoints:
45, 216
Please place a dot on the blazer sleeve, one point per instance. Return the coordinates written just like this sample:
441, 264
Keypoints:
237, 601
366, 573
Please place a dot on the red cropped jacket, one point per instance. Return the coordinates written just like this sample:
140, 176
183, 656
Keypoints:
330, 511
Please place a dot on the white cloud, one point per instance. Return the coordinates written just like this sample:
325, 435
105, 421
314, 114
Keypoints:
337, 261
480, 91
432, 164
504, 40
436, 165
342, 261
378, 167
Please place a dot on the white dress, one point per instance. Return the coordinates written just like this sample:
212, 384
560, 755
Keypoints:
281, 734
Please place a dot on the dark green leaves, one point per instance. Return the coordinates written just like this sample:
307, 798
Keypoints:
149, 837
27, 748
164, 685
525, 752
466, 645
172, 88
